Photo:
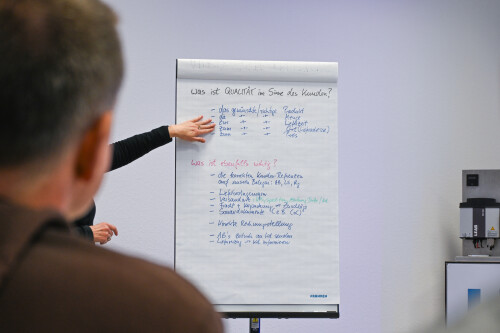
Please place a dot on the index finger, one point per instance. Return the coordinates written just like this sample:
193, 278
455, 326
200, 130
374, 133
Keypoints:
197, 119
115, 229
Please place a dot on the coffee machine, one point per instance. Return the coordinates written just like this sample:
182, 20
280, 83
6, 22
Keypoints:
480, 215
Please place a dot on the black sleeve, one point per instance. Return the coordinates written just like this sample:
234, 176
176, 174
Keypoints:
82, 225
128, 150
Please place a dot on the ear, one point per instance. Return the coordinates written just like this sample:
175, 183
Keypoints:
93, 153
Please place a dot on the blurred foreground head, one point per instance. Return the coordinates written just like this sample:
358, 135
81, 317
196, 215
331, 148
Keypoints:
60, 71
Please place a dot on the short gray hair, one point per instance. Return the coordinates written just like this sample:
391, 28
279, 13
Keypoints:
61, 66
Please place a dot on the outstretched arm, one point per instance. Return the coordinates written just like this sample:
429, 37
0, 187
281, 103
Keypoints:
128, 150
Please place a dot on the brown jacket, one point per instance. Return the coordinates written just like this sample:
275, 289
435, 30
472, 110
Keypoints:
50, 281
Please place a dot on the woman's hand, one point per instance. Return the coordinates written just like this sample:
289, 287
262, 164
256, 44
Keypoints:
103, 232
192, 129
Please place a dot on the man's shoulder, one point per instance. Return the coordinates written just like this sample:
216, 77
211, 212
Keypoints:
79, 256
60, 272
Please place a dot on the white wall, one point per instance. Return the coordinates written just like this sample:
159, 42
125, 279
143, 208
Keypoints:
419, 101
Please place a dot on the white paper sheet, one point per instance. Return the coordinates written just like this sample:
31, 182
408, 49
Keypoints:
257, 204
